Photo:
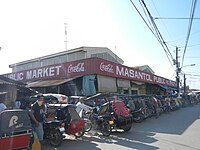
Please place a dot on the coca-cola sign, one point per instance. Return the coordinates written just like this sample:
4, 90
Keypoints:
106, 67
76, 68
88, 66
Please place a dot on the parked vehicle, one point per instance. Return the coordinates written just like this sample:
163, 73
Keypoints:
53, 132
115, 111
15, 130
53, 98
120, 115
136, 110
98, 121
66, 113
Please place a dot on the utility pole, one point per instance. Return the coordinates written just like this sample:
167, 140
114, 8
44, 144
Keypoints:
177, 73
184, 80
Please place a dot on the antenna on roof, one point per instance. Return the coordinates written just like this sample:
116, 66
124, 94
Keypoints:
115, 53
65, 36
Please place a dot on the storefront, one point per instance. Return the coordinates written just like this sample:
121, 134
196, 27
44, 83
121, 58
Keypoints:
13, 90
90, 76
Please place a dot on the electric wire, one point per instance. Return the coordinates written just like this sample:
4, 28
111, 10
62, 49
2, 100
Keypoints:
173, 18
154, 33
151, 31
189, 27
161, 20
159, 36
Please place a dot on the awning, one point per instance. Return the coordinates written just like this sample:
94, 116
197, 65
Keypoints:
137, 83
123, 83
174, 89
164, 87
106, 84
168, 88
47, 83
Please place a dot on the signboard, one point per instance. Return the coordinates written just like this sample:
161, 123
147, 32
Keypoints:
89, 66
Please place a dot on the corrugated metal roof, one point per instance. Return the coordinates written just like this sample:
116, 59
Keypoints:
5, 80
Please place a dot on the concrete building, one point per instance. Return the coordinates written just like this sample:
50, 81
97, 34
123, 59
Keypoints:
87, 71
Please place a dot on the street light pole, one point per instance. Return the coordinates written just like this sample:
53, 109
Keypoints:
184, 79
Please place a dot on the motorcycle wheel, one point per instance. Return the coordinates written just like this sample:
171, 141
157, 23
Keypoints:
138, 119
127, 128
106, 129
79, 134
88, 125
55, 138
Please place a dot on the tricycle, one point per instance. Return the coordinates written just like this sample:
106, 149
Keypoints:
15, 130
115, 110
67, 115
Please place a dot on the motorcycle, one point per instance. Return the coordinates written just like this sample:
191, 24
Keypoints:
113, 112
53, 132
67, 115
99, 122
137, 112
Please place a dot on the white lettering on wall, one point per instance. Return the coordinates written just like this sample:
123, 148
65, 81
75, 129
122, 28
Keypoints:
76, 68
106, 67
43, 72
128, 72
159, 80
16, 76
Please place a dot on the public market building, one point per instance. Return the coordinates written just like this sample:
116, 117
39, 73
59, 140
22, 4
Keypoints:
87, 71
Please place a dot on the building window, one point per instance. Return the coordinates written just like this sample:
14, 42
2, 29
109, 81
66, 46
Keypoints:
126, 92
134, 92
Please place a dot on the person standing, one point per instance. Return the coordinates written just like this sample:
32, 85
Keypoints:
168, 104
2, 105
80, 106
155, 106
2, 101
37, 116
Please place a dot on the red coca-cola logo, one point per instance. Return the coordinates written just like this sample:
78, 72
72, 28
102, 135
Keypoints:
76, 68
106, 67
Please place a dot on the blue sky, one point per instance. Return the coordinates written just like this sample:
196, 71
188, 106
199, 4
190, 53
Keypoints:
31, 29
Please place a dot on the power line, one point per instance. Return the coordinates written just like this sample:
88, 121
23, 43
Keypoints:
195, 75
173, 18
142, 17
158, 34
155, 31
189, 27
161, 20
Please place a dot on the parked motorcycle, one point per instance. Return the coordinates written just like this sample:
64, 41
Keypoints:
136, 111
53, 132
97, 122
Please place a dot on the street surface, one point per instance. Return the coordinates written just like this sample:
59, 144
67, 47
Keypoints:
178, 130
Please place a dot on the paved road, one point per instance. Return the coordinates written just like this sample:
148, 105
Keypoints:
179, 130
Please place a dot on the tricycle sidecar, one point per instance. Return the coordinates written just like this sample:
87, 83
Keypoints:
66, 113
118, 114
15, 129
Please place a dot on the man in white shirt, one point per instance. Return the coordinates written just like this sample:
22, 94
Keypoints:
81, 106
